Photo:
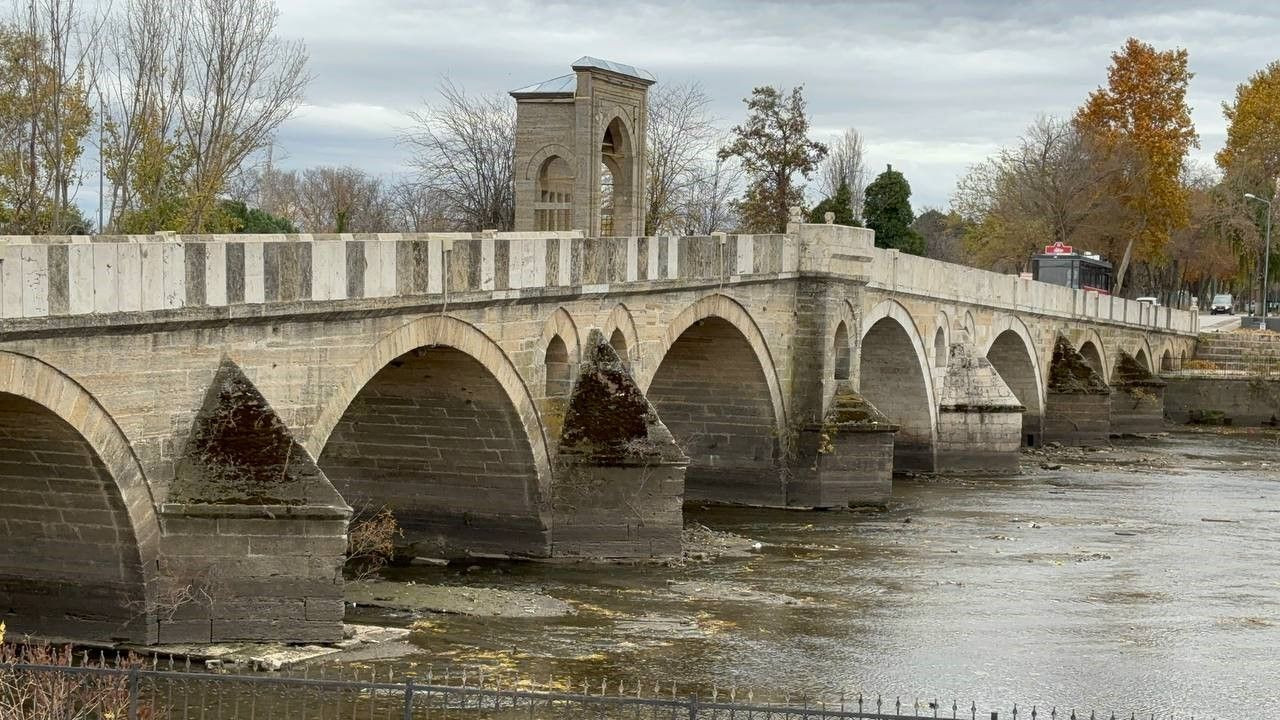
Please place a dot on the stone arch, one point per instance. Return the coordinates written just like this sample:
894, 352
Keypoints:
89, 522
618, 158
1166, 360
716, 389
1143, 354
622, 323
465, 459
562, 324
559, 378
941, 339
971, 326
1013, 353
1094, 352
546, 152
842, 352
888, 381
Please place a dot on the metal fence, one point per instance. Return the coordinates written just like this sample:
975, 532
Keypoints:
140, 692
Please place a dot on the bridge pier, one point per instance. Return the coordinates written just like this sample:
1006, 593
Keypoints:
1078, 401
253, 533
851, 456
979, 418
1137, 398
618, 485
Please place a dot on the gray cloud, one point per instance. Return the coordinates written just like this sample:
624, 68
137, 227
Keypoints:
935, 86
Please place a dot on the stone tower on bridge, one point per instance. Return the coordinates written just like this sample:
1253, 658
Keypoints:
579, 155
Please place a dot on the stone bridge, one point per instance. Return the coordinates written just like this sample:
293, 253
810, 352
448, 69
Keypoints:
187, 423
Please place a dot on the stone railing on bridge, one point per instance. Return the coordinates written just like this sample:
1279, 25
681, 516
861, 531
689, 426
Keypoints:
60, 276
69, 276
893, 271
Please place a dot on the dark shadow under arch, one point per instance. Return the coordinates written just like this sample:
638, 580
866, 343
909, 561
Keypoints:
69, 558
711, 392
894, 380
1093, 357
435, 437
1014, 362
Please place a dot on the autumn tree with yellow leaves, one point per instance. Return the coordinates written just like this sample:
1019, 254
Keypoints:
1142, 117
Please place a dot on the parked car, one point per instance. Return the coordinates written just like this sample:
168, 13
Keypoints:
1221, 304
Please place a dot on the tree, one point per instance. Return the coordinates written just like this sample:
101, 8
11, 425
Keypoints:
415, 207
841, 204
1051, 186
1142, 116
888, 211
845, 164
44, 117
464, 149
195, 90
241, 82
137, 92
244, 219
943, 235
680, 135
773, 145
1253, 129
709, 206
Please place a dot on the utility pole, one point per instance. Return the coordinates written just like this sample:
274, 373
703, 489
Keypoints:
1266, 250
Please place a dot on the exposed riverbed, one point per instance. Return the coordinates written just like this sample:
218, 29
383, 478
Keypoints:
1143, 578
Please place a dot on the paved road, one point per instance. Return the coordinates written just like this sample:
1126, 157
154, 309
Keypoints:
1219, 323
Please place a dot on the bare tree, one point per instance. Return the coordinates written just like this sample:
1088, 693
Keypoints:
464, 149
709, 205
681, 136
416, 207
47, 68
341, 200
845, 163
241, 82
139, 92
1049, 187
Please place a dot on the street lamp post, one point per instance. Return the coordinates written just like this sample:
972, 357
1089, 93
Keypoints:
1266, 254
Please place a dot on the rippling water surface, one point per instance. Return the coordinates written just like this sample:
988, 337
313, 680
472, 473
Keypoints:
1133, 587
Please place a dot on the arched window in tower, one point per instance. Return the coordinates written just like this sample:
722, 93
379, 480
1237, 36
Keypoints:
553, 210
606, 200
616, 204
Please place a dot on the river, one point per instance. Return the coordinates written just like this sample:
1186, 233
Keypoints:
1144, 578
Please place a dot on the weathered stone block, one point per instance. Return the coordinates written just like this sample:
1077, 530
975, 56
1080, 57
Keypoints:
619, 475
1137, 399
979, 417
1078, 401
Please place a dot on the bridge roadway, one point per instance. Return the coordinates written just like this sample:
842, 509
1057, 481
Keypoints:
186, 423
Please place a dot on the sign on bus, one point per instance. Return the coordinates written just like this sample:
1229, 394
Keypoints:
1058, 249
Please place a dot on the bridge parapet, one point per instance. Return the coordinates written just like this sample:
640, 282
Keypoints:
209, 276
60, 276
896, 272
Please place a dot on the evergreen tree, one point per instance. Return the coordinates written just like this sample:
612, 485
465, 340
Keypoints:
841, 204
888, 212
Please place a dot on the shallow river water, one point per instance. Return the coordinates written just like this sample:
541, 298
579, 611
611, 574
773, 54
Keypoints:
1148, 586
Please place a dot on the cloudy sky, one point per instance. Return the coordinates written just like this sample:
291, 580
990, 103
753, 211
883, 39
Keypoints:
933, 86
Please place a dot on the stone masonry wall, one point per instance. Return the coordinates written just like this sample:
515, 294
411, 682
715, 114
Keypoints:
712, 395
1077, 419
433, 438
69, 565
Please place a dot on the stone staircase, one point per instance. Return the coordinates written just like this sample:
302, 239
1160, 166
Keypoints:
1240, 351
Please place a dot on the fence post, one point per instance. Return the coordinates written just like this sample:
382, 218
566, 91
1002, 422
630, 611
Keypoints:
408, 699
693, 707
133, 694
